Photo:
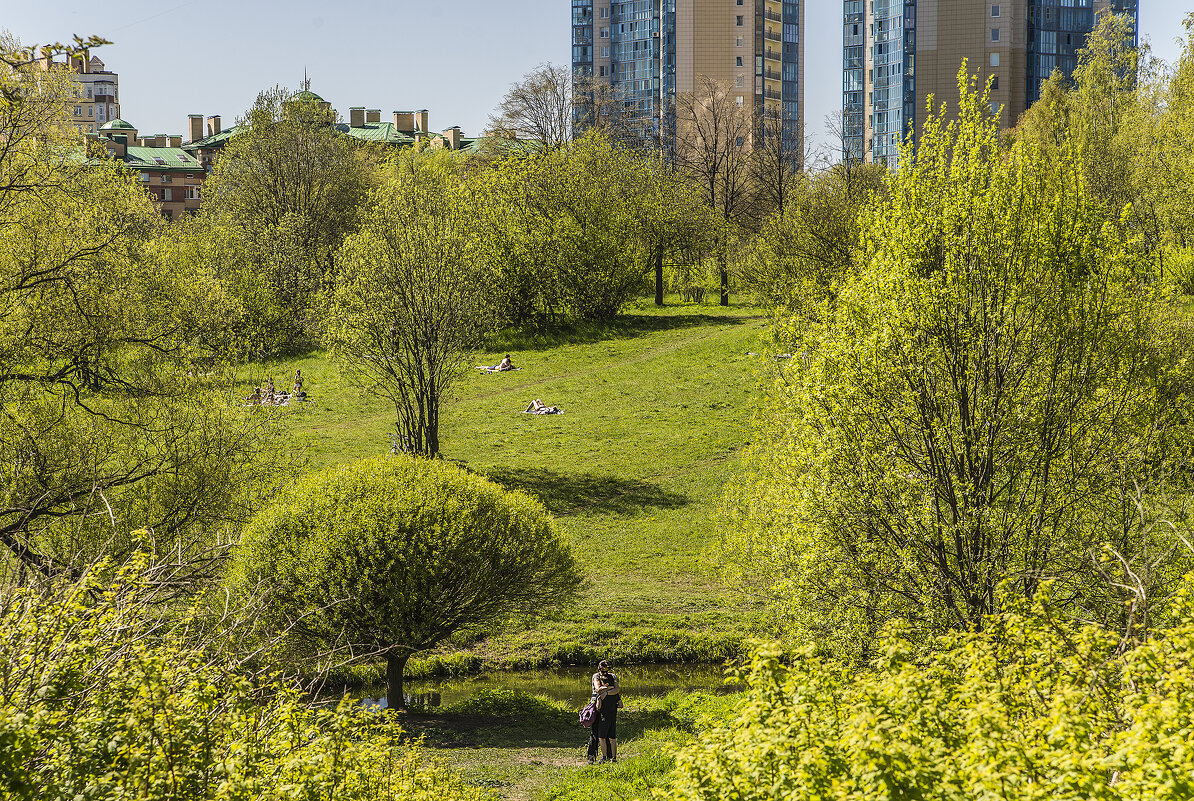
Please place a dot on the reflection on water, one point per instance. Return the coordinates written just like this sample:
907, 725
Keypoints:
568, 684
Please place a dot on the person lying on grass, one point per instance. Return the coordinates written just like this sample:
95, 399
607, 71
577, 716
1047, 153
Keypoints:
503, 366
539, 407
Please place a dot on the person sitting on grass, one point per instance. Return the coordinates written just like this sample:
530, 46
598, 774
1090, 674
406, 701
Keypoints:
255, 398
505, 364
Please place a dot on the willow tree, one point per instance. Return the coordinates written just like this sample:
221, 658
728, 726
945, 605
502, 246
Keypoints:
989, 399
390, 556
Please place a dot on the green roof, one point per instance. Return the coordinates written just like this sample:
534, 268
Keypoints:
384, 132
173, 159
114, 124
309, 95
213, 141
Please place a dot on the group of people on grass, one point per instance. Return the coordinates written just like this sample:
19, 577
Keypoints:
268, 395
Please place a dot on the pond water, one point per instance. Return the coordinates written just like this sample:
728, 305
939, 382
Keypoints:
568, 684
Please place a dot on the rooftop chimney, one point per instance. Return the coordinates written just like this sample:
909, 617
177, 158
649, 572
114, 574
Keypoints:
160, 140
452, 137
175, 140
373, 115
356, 117
404, 121
421, 120
195, 126
213, 125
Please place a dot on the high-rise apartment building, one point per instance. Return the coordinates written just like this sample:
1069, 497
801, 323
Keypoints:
899, 52
97, 91
645, 52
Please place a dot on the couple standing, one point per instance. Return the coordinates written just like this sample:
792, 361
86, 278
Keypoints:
607, 697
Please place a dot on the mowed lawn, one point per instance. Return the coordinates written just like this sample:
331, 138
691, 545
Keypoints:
658, 405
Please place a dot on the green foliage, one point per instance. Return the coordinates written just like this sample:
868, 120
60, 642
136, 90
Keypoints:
290, 186
392, 555
108, 442
801, 257
575, 231
411, 299
992, 397
101, 699
1034, 707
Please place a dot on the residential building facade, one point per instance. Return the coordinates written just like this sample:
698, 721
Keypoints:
646, 52
167, 172
97, 90
898, 53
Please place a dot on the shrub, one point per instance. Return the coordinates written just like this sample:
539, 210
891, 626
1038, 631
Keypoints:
100, 699
1033, 707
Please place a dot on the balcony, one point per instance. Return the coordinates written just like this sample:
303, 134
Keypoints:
773, 55
773, 36
773, 16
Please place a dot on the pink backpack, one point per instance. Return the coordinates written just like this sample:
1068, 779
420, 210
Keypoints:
588, 715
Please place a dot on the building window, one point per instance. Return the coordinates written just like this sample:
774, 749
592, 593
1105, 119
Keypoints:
78, 111
739, 100
168, 194
143, 177
167, 178
995, 10
739, 2
738, 61
738, 20
192, 192
740, 81
601, 71
737, 41
605, 33
605, 13
605, 52
994, 34
995, 83
994, 59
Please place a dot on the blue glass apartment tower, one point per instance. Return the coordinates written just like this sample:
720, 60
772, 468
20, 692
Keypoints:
898, 53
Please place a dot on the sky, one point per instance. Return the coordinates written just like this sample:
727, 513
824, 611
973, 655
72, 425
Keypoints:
456, 60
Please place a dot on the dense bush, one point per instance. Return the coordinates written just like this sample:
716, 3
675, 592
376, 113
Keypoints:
390, 556
100, 698
1033, 707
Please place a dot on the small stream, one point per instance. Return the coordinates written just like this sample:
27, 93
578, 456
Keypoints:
568, 684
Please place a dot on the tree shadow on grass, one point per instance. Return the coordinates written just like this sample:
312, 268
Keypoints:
627, 326
568, 493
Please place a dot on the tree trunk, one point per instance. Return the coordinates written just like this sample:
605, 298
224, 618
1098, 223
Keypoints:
395, 666
659, 278
724, 274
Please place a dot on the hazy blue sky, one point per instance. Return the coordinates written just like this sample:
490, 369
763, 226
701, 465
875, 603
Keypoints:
212, 57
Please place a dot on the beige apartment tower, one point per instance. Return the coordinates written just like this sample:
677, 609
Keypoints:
898, 53
648, 51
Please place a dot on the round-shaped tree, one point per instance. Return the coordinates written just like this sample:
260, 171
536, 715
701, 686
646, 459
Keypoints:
392, 555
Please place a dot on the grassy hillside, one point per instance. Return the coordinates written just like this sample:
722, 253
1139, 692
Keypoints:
657, 404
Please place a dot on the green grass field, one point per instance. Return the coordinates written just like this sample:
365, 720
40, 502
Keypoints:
657, 404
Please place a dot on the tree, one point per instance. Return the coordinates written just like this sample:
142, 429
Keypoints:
713, 134
411, 297
392, 555
801, 256
777, 159
993, 386
570, 232
539, 109
292, 185
107, 444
